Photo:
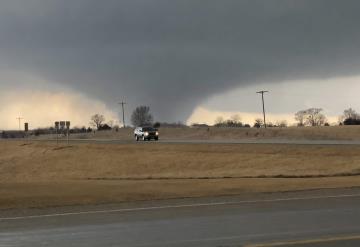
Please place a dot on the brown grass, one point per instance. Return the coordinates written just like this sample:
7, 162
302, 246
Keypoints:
307, 133
47, 161
64, 193
44, 174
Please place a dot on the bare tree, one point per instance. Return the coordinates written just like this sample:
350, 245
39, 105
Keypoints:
233, 122
300, 116
141, 116
311, 117
258, 123
219, 120
350, 117
350, 114
282, 123
97, 120
235, 118
314, 117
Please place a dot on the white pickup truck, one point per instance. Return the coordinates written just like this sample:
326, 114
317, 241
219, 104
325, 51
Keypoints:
146, 133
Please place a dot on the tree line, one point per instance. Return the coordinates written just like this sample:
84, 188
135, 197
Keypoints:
308, 117
142, 116
316, 117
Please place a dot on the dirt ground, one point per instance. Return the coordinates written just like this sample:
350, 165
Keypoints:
40, 174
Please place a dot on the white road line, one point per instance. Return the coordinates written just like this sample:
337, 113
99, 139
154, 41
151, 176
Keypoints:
178, 206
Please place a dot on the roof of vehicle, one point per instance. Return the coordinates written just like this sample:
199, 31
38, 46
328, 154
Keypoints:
147, 128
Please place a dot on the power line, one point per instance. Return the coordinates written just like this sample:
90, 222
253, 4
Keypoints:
123, 112
263, 105
19, 118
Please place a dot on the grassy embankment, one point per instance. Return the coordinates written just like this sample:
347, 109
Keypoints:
43, 174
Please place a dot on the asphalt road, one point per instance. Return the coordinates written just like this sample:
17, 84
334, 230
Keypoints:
216, 222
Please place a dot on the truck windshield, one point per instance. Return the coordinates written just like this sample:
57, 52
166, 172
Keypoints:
149, 129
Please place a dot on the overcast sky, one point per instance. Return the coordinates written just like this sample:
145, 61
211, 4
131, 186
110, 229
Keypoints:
175, 56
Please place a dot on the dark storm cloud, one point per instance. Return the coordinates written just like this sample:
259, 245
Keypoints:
172, 55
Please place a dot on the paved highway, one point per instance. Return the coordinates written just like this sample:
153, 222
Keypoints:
226, 221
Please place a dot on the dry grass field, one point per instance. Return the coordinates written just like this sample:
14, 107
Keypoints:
306, 133
213, 133
34, 174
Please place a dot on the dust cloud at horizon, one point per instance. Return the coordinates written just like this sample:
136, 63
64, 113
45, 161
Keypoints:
48, 107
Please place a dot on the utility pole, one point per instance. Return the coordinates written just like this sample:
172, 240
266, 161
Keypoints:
19, 119
123, 112
263, 104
